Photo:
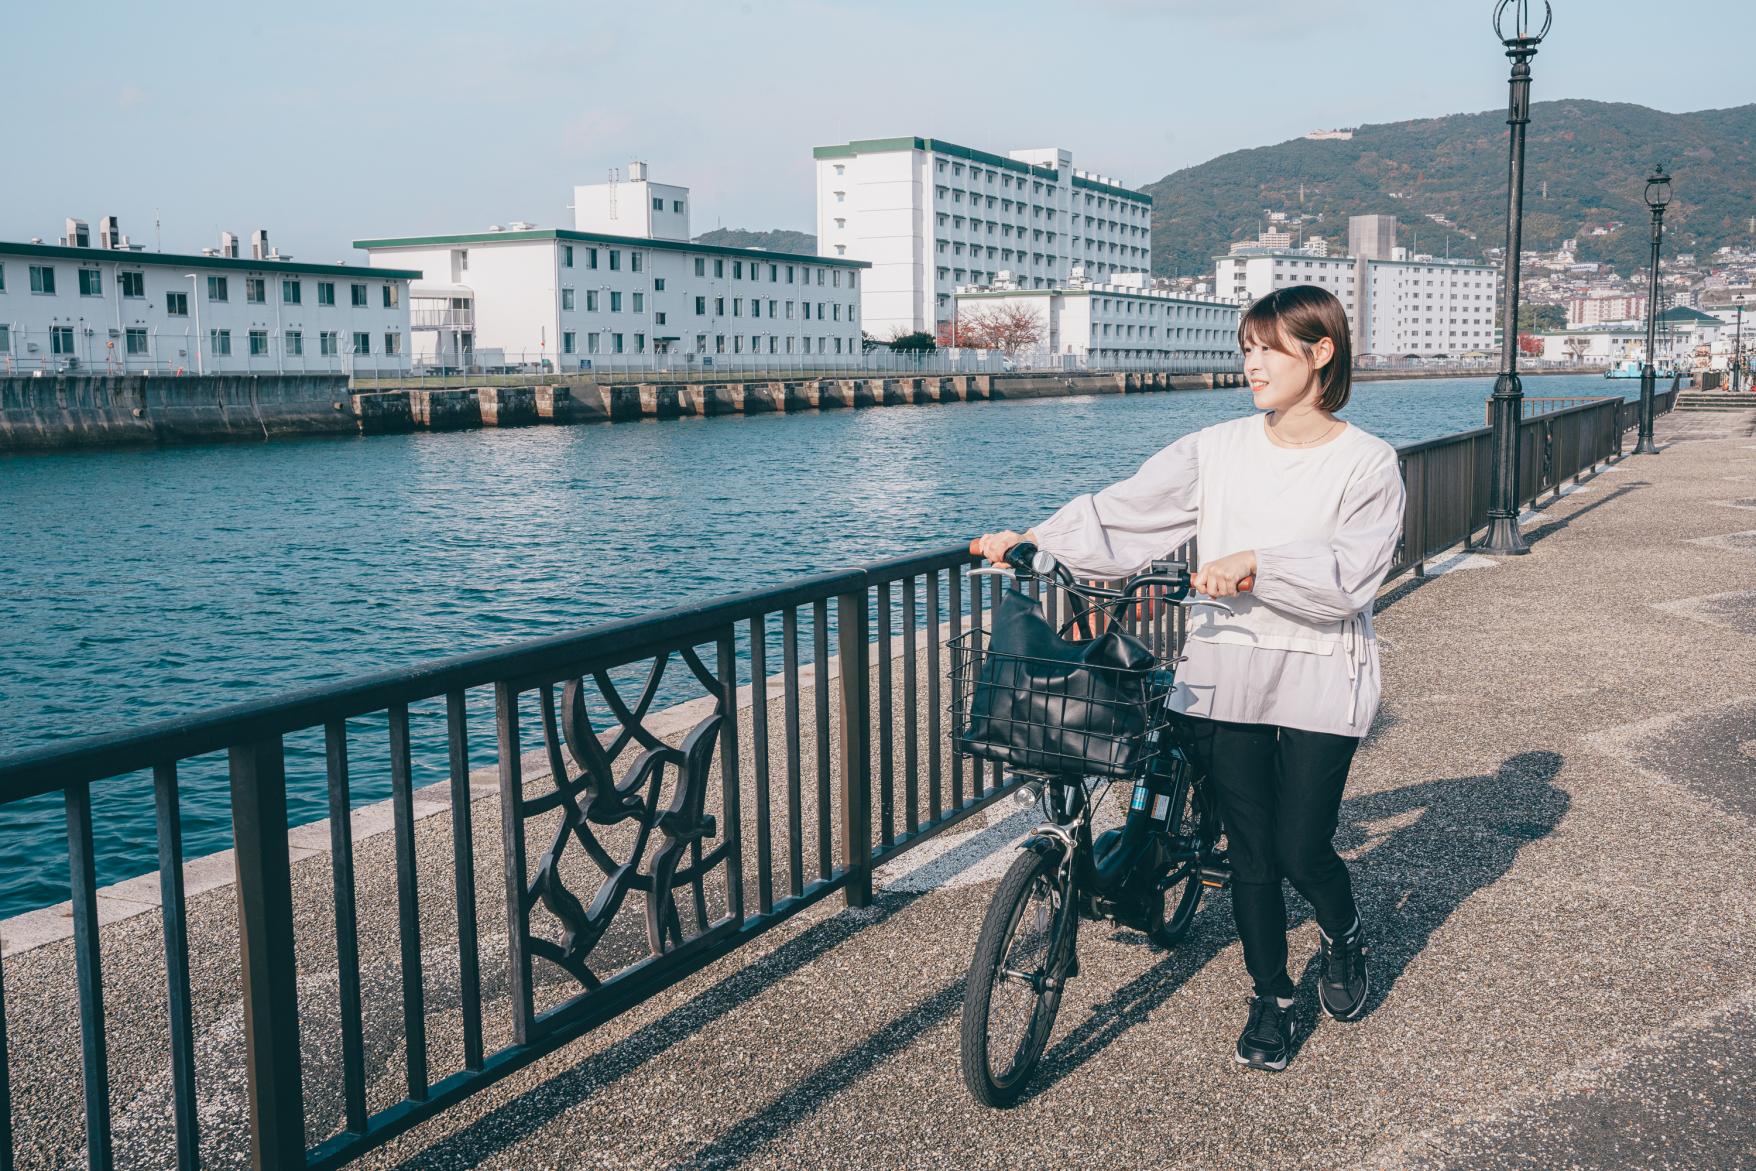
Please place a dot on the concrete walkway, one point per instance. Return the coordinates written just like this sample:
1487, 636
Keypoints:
1552, 829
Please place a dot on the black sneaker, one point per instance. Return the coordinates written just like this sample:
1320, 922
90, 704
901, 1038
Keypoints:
1267, 1039
1344, 983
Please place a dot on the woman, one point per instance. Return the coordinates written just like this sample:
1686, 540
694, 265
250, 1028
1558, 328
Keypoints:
1280, 692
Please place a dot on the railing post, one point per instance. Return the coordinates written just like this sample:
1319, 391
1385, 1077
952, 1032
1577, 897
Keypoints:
856, 757
267, 959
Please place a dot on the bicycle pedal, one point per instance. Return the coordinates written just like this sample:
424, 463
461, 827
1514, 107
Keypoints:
1216, 877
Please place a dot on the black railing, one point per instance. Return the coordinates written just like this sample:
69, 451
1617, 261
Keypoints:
640, 838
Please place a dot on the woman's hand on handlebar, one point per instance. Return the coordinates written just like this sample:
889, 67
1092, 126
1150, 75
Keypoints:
994, 546
1226, 577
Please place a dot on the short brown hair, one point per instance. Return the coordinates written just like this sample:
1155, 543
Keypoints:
1304, 315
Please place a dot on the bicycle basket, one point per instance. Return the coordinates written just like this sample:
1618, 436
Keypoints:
1033, 700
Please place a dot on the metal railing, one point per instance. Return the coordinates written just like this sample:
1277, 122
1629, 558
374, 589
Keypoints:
765, 795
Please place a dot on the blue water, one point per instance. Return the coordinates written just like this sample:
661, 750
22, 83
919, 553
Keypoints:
141, 585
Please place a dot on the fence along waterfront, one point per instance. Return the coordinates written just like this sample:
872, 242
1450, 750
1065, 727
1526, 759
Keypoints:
697, 829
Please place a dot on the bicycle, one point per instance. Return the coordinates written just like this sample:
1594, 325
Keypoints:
1148, 875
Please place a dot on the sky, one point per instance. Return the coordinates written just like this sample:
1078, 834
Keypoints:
326, 122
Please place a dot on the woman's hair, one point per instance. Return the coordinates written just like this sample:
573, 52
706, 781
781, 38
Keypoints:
1303, 315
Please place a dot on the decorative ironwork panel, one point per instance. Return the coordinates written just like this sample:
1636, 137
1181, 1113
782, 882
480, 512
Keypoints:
645, 832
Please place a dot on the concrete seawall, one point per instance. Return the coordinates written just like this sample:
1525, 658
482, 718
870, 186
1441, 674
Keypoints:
82, 410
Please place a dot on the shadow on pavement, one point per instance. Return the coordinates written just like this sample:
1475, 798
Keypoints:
1418, 853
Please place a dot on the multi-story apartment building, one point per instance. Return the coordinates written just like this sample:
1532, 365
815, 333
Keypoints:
929, 216
113, 307
624, 286
1122, 324
1606, 308
1398, 307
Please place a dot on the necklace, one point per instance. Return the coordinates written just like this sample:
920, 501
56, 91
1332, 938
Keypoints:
1330, 430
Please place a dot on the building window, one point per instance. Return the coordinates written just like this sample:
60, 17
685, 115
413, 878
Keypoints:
61, 339
362, 341
176, 304
635, 259
700, 306
700, 266
393, 343
2, 278
255, 290
91, 283
737, 306
295, 343
291, 292
359, 292
217, 290
789, 274
719, 306
567, 256
566, 298
658, 284
591, 300
133, 284
615, 300
567, 342
134, 340
658, 319
677, 206
327, 343
258, 343
640, 302
326, 292
392, 296
591, 343
719, 268
615, 340
615, 259
737, 270
658, 204
591, 258
220, 342
640, 343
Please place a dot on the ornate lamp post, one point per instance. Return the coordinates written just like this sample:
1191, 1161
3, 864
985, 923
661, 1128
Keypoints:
1738, 352
1658, 193
1521, 36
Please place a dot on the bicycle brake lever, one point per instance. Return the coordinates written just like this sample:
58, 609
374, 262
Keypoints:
993, 571
1214, 602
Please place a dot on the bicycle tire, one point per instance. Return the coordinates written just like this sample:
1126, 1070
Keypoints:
1035, 872
1180, 891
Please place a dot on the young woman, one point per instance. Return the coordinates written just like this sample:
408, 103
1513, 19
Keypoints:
1280, 692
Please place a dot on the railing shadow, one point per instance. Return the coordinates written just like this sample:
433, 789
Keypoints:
1537, 533
1422, 852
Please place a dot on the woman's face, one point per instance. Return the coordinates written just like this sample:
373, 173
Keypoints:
1280, 381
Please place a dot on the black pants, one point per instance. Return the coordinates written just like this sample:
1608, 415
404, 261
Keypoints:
1279, 793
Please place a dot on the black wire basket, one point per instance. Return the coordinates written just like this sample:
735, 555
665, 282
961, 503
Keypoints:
1047, 716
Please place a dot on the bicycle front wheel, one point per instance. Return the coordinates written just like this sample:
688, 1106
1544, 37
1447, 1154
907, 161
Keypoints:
1023, 957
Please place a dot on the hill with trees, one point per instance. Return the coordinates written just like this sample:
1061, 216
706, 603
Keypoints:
777, 239
1586, 167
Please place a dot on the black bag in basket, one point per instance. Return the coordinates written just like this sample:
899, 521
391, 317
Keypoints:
1048, 704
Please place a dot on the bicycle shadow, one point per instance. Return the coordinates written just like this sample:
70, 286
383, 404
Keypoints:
1417, 853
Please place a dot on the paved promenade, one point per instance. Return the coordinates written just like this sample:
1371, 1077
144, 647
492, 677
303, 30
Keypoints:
1552, 832
1552, 826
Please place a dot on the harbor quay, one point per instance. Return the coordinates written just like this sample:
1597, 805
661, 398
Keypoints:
66, 411
1549, 824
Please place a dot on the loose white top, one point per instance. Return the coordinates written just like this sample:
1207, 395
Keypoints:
1299, 651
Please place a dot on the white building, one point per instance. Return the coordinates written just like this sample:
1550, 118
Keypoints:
623, 287
1424, 307
112, 307
930, 216
1120, 325
1606, 308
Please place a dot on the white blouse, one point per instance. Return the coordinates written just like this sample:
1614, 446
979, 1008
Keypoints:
1299, 650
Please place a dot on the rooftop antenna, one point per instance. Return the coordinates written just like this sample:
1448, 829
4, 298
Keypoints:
158, 244
615, 174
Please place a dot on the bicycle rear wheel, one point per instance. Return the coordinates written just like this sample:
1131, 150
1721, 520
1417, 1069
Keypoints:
1022, 960
1172, 911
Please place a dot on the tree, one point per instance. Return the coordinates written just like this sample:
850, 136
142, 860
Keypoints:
1011, 329
1541, 318
911, 340
1530, 344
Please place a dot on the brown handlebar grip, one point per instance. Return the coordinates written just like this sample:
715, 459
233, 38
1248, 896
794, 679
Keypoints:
1247, 583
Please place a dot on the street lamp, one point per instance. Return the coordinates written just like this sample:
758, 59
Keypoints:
1521, 36
1658, 193
195, 295
1738, 352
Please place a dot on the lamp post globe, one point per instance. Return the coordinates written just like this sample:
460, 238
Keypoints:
1658, 195
1520, 31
